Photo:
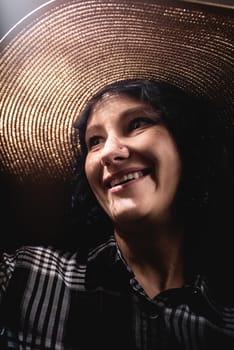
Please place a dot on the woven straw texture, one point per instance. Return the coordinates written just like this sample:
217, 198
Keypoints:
58, 56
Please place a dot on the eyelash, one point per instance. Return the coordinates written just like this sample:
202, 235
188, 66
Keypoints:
91, 142
141, 121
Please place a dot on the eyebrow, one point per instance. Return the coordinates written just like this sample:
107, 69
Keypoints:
147, 110
130, 111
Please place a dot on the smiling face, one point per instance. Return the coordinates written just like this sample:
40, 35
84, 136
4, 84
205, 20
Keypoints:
132, 165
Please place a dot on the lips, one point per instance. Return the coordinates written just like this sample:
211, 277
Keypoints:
123, 178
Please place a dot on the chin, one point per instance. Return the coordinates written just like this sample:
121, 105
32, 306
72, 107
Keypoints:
128, 218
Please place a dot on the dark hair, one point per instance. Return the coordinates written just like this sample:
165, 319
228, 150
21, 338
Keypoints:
199, 134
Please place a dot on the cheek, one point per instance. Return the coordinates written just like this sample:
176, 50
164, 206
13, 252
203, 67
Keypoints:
89, 169
92, 171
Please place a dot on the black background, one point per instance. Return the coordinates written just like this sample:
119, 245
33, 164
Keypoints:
12, 11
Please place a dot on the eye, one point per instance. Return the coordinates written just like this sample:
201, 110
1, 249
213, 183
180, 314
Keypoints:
93, 141
140, 122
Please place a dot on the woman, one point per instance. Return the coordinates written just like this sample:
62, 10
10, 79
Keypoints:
153, 170
201, 174
153, 186
150, 189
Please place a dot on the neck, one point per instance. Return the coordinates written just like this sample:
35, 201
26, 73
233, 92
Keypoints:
155, 257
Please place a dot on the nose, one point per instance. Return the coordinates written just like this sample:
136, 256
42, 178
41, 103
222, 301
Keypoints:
114, 151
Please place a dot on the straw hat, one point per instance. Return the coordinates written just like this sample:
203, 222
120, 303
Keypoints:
58, 56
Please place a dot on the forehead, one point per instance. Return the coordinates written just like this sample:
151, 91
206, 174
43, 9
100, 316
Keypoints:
117, 104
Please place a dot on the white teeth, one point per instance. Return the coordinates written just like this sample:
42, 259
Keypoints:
126, 177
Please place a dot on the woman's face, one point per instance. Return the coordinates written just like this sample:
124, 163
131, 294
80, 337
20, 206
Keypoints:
133, 165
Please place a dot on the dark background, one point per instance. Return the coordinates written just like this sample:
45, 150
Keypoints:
11, 11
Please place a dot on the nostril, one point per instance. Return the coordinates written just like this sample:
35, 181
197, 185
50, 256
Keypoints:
113, 153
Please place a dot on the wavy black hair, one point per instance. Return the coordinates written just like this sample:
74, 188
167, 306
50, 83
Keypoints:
203, 199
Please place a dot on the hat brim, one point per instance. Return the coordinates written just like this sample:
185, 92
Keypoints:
54, 60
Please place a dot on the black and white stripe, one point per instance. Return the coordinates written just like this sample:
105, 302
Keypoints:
50, 300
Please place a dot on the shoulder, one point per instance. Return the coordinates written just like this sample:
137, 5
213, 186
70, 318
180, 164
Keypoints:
35, 256
101, 249
29, 263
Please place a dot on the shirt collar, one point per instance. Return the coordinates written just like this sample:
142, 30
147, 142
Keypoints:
107, 269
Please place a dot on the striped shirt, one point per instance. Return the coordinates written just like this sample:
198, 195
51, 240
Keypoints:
54, 300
